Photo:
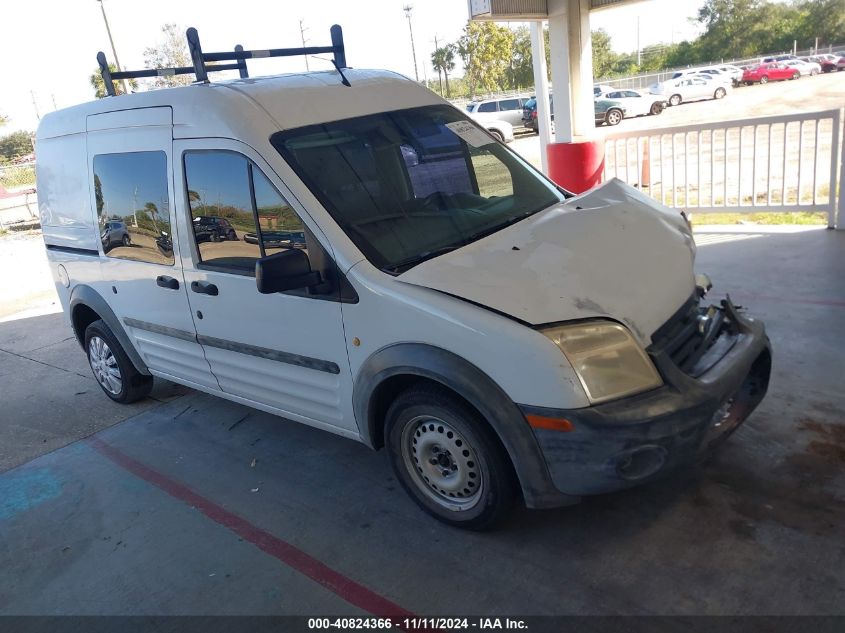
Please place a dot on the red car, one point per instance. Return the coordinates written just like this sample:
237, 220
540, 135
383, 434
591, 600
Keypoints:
773, 71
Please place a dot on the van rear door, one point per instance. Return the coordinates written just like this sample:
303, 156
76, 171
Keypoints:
131, 188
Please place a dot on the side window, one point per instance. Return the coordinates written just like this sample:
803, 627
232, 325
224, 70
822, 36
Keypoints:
133, 210
508, 104
490, 106
236, 214
493, 178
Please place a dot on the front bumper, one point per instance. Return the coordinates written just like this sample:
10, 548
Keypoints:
637, 439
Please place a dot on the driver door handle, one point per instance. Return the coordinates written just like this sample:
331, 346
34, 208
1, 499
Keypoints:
204, 288
167, 282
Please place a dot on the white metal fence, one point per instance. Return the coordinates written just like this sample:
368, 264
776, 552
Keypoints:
780, 163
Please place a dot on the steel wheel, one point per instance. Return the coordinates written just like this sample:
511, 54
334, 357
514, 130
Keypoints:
104, 365
443, 464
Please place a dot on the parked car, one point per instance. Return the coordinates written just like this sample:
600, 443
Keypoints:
209, 228
114, 233
609, 111
712, 74
507, 109
601, 89
773, 71
692, 88
502, 338
778, 58
529, 113
731, 71
637, 103
804, 67
501, 130
827, 61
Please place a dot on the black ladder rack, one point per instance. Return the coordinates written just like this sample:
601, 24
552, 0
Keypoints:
239, 56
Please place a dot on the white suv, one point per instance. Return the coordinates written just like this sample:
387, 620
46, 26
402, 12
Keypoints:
396, 277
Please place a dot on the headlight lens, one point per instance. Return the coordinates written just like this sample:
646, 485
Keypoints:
608, 361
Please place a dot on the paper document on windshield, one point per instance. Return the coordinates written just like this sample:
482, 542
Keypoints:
471, 134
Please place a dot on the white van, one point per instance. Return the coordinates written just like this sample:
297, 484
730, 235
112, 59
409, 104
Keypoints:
367, 260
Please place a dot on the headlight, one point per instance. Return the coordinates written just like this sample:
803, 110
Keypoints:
608, 361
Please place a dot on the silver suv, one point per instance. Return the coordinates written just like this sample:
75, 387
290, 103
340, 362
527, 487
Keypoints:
509, 109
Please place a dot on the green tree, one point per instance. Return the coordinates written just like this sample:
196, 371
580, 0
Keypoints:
99, 85
15, 145
443, 60
170, 52
486, 50
603, 56
523, 62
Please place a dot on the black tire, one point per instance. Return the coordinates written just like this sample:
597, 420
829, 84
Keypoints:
496, 134
214, 237
656, 108
424, 418
675, 100
133, 384
614, 116
796, 75
232, 236
764, 79
720, 93
126, 241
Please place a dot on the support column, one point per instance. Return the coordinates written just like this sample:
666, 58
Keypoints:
541, 87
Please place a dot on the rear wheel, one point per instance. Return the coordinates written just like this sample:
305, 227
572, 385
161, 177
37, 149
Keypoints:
796, 75
656, 108
614, 116
126, 240
112, 368
720, 93
448, 459
675, 100
498, 135
232, 236
764, 79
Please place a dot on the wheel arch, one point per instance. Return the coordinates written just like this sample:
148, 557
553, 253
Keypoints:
86, 306
396, 367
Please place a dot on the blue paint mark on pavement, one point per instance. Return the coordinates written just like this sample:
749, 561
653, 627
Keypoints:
21, 491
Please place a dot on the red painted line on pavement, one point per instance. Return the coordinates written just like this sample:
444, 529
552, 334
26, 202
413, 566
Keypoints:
346, 588
817, 302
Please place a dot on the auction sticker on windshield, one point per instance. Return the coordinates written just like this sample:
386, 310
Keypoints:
471, 134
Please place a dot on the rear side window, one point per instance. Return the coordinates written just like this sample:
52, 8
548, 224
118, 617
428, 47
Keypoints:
236, 213
490, 106
509, 104
132, 200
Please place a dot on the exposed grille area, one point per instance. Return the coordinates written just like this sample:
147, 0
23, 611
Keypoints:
695, 337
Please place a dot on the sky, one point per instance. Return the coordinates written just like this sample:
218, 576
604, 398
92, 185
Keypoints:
49, 47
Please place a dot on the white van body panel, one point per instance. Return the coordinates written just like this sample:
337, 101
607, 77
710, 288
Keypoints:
545, 269
523, 362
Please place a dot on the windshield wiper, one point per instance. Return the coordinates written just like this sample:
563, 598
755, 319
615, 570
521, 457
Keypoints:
418, 259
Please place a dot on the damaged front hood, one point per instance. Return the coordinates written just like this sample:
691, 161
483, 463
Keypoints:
610, 252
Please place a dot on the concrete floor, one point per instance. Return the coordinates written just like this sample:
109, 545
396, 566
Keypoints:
193, 505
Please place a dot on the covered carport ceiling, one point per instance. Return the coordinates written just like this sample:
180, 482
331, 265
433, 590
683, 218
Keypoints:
520, 10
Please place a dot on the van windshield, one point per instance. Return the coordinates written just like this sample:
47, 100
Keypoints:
409, 185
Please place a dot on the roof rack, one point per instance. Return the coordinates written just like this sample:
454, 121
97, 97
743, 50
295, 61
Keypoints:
239, 56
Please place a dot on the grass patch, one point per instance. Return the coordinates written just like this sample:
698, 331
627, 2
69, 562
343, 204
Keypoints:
15, 176
790, 217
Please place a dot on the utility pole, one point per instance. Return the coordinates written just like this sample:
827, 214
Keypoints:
113, 49
639, 51
35, 105
302, 30
407, 9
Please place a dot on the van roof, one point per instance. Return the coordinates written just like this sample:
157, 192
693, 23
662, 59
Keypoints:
279, 102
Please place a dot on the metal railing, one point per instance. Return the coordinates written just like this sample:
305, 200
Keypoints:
780, 163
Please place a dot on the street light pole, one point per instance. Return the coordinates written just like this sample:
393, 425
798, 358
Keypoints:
407, 8
302, 30
113, 49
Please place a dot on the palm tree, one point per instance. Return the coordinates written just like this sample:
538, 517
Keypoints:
443, 60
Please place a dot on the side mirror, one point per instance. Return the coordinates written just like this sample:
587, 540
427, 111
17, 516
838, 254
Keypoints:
288, 270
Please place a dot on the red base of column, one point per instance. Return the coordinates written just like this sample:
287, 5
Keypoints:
576, 166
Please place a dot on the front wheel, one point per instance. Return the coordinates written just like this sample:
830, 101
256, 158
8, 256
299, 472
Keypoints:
112, 368
675, 100
764, 79
126, 240
795, 76
720, 93
656, 108
497, 135
232, 236
448, 459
